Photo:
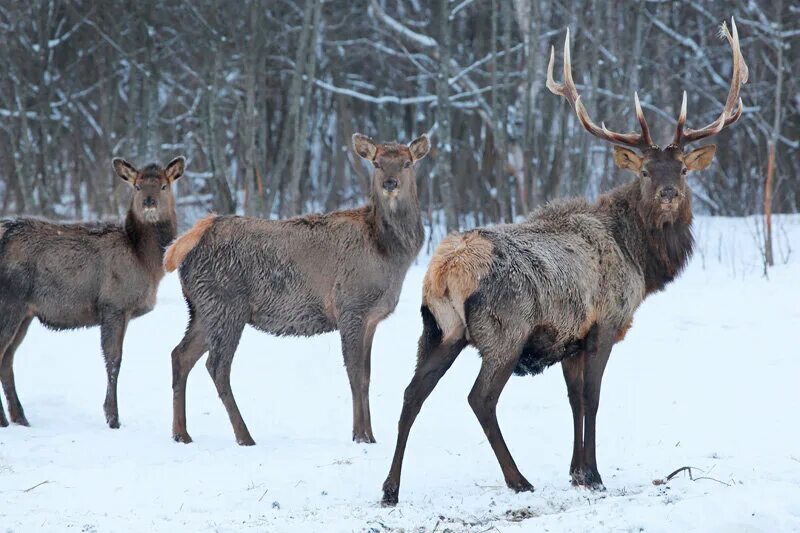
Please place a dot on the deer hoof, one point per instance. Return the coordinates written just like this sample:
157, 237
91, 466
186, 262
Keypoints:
20, 421
520, 486
390, 493
3, 421
246, 441
364, 438
113, 421
182, 437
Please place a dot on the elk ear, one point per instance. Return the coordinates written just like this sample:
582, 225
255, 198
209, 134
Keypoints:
175, 168
627, 159
364, 146
419, 147
124, 170
700, 158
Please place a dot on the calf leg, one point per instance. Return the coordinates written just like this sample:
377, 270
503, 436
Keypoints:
483, 397
356, 348
112, 334
184, 356
573, 374
15, 412
10, 321
222, 347
434, 358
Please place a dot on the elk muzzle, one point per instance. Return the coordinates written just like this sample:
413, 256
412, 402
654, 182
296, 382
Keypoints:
390, 185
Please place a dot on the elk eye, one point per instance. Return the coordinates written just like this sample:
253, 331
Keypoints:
164, 187
376, 165
407, 164
137, 187
645, 174
684, 171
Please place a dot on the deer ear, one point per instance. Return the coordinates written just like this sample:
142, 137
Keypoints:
627, 159
700, 158
175, 168
419, 147
364, 146
124, 170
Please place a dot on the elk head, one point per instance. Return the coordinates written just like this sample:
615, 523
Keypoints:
152, 192
661, 172
394, 176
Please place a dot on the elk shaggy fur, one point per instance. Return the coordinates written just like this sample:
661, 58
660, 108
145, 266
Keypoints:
86, 274
302, 276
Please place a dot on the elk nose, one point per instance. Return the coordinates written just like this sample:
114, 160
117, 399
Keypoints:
390, 185
149, 202
668, 193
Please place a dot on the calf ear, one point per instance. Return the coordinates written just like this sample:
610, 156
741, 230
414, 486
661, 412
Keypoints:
364, 146
175, 168
627, 159
419, 147
700, 158
124, 170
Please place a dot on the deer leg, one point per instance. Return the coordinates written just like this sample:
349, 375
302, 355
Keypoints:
184, 357
433, 360
573, 374
354, 332
15, 411
593, 377
222, 347
365, 411
483, 397
112, 334
10, 323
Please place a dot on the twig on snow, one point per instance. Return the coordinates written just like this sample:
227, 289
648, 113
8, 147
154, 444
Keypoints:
37, 485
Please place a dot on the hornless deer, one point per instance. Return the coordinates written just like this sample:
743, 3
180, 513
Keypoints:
86, 274
302, 276
563, 285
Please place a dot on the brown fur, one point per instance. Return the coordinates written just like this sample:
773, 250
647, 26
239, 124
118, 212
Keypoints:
178, 250
456, 268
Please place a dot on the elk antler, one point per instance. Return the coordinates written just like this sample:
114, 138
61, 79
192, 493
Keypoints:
568, 91
728, 116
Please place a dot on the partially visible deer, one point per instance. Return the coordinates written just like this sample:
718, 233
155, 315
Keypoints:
302, 276
562, 286
86, 274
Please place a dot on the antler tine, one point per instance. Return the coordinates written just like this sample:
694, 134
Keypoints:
568, 90
733, 103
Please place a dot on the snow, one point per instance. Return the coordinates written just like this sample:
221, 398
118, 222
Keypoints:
707, 377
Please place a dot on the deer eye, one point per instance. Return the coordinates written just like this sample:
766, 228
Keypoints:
376, 165
407, 164
137, 187
645, 174
684, 171
164, 187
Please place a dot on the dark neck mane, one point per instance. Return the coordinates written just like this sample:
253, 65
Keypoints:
661, 250
149, 240
397, 231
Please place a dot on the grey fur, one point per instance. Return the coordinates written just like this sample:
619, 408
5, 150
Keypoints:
560, 287
302, 276
85, 274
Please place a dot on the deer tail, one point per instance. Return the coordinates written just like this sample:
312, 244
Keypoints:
184, 244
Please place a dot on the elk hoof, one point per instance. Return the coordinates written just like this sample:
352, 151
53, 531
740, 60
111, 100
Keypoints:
247, 440
3, 421
182, 437
390, 493
113, 421
587, 479
20, 421
520, 486
363, 438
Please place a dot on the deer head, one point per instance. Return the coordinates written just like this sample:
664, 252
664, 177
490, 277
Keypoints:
661, 171
394, 176
152, 197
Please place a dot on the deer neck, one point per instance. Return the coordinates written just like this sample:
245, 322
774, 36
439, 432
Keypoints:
149, 240
397, 223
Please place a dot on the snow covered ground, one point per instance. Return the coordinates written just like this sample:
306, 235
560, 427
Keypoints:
707, 377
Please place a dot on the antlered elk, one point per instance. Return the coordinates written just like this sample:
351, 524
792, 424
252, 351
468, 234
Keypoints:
86, 274
302, 276
563, 285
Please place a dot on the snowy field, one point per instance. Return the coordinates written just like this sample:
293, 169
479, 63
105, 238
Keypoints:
707, 377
